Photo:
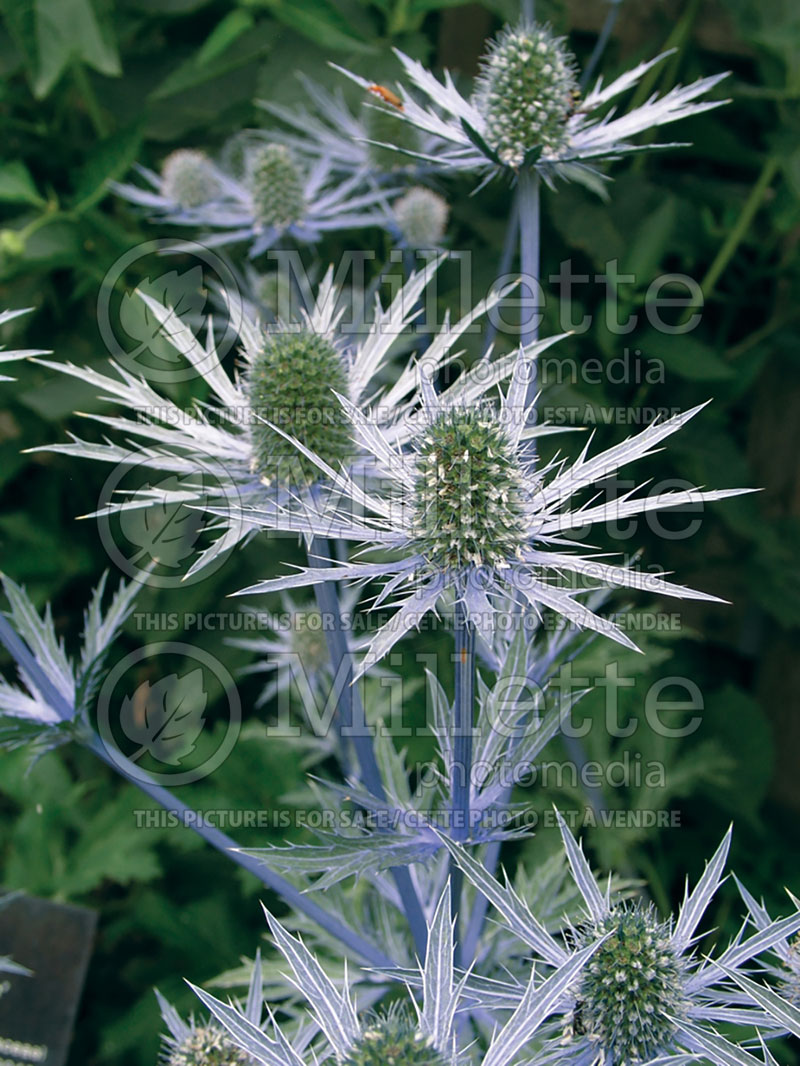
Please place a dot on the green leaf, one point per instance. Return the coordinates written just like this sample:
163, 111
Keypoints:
224, 34
17, 185
111, 159
651, 242
202, 67
739, 724
20, 20
318, 20
685, 356
479, 142
532, 156
53, 35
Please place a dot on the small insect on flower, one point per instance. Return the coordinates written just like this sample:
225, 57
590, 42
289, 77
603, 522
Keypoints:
574, 104
387, 96
526, 111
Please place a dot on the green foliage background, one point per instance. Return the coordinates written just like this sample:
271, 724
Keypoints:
90, 86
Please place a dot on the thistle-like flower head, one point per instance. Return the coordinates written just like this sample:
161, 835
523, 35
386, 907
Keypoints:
526, 111
526, 92
470, 492
421, 217
645, 995
290, 387
468, 512
393, 1038
267, 191
207, 1045
276, 186
631, 991
206, 1042
189, 179
413, 1034
293, 379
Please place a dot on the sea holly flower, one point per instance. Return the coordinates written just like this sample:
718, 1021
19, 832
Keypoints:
205, 1042
277, 194
188, 189
421, 218
646, 995
189, 179
296, 636
232, 451
465, 512
783, 969
405, 1034
12, 356
526, 110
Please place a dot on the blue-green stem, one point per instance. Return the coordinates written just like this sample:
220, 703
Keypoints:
529, 250
219, 840
461, 769
602, 42
506, 259
529, 254
186, 815
354, 725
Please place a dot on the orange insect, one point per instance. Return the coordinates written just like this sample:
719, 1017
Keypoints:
387, 96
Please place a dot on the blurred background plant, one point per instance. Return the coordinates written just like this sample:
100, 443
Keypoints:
89, 88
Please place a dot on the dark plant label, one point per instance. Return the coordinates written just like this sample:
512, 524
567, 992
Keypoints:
37, 1010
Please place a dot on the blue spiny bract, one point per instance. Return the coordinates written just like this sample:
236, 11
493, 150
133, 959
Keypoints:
526, 92
384, 124
469, 499
291, 384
